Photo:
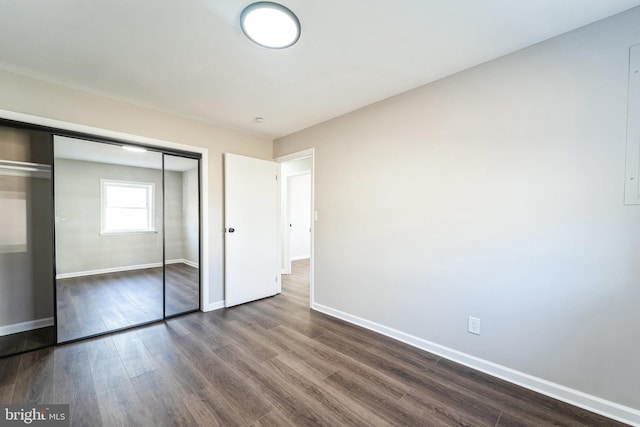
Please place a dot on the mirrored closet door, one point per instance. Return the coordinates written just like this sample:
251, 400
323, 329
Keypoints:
26, 241
127, 238
182, 234
109, 239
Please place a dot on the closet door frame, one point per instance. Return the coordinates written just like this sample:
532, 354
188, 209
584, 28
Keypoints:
72, 130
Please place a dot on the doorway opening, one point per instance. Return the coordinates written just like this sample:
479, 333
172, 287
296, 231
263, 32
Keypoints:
298, 217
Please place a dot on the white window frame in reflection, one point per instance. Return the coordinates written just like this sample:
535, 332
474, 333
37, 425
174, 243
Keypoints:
127, 213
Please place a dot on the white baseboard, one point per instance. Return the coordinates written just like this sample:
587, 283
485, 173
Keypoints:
190, 263
298, 258
123, 268
213, 306
574, 397
26, 326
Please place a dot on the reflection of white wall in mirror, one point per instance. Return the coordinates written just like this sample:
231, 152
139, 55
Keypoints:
80, 247
173, 216
13, 221
191, 217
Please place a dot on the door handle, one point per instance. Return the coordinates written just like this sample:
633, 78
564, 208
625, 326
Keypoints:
231, 229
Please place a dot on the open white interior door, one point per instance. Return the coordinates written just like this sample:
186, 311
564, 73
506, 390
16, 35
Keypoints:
252, 256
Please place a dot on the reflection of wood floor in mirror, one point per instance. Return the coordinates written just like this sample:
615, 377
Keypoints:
28, 340
90, 305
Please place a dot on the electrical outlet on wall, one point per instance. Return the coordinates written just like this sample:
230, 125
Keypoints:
474, 325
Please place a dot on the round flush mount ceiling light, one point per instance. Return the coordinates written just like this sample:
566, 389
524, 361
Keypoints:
270, 25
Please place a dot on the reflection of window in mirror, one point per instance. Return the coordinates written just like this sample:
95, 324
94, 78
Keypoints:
127, 207
13, 221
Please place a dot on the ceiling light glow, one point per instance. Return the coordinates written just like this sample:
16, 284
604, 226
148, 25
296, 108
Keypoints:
270, 25
134, 149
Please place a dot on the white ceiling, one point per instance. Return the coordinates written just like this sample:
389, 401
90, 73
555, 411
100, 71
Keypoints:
190, 58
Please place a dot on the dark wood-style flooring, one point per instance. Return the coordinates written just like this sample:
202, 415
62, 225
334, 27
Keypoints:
91, 305
273, 362
28, 340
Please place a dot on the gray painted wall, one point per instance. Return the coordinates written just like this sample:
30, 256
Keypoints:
497, 193
79, 245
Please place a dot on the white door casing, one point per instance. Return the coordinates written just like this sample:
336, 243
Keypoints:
252, 256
